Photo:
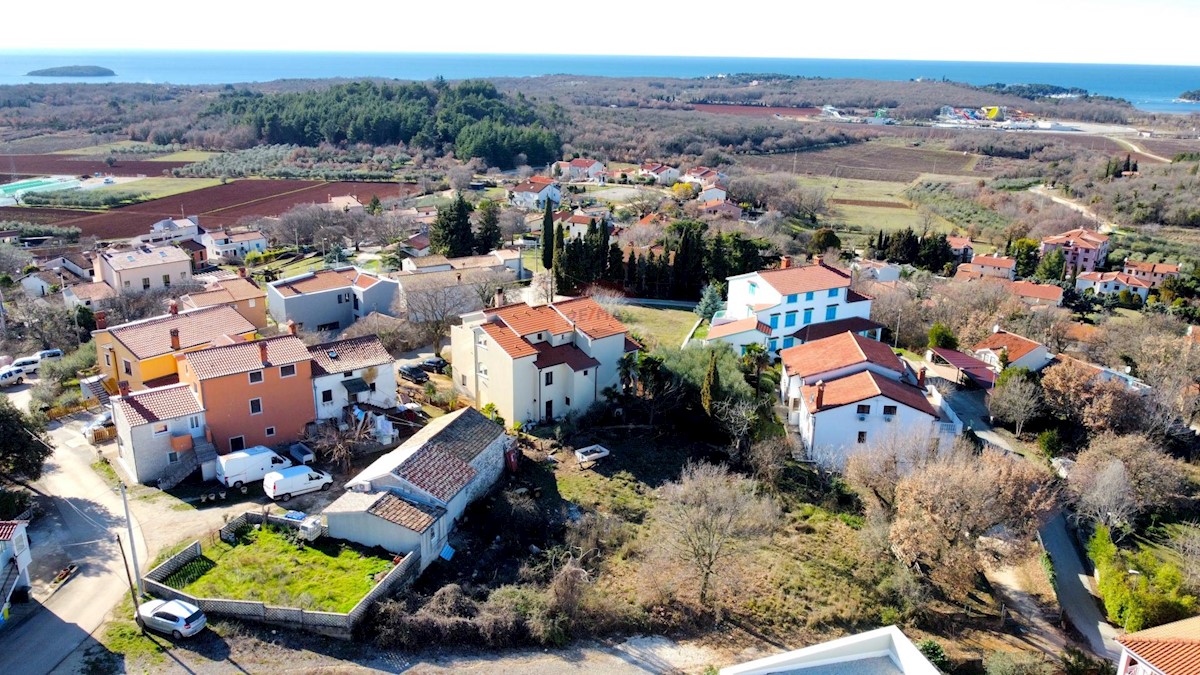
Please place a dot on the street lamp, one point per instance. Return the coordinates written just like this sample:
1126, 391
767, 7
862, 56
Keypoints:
132, 545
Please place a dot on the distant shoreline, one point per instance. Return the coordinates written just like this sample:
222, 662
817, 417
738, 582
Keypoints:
72, 71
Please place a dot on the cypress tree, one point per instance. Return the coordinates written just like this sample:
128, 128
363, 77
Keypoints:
614, 269
558, 260
631, 270
548, 237
711, 385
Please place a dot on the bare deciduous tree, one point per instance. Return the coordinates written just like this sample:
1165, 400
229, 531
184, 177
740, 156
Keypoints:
1151, 478
335, 445
708, 518
1105, 496
1017, 400
433, 306
768, 457
1187, 544
737, 417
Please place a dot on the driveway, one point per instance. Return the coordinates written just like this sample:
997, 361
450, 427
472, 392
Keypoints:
20, 394
1074, 591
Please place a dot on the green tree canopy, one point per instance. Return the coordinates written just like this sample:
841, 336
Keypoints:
488, 238
823, 240
24, 451
451, 234
941, 336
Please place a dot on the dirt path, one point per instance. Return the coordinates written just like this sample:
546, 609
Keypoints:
1105, 226
1130, 145
1032, 618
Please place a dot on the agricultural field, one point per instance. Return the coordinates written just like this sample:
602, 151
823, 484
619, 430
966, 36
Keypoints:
75, 165
867, 206
158, 188
101, 150
873, 160
756, 110
38, 216
185, 156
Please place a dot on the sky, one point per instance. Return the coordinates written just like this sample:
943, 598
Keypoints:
1057, 31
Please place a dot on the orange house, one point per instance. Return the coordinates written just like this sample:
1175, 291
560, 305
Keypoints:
254, 393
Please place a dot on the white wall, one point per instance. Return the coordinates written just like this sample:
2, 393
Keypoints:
142, 453
384, 395
835, 431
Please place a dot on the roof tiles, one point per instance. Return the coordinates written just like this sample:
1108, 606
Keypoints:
152, 337
836, 352
350, 354
244, 357
405, 513
805, 279
156, 405
862, 386
1016, 345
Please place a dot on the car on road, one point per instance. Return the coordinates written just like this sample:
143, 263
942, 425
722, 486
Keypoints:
284, 484
176, 618
28, 363
434, 365
11, 375
413, 374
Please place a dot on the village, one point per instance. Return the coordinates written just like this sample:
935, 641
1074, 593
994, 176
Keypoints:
423, 409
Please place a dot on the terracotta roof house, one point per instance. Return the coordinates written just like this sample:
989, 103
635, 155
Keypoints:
962, 247
704, 176
161, 434
330, 299
1154, 273
1170, 649
1038, 294
16, 556
533, 194
408, 500
661, 173
241, 293
1082, 249
538, 362
580, 169
90, 295
350, 371
1105, 283
846, 391
722, 207
1003, 350
1001, 267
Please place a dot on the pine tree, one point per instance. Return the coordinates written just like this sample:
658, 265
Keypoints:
614, 270
710, 301
711, 385
489, 236
548, 237
559, 261
450, 235
631, 271
375, 207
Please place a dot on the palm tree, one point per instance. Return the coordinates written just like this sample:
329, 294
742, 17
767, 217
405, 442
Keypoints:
755, 358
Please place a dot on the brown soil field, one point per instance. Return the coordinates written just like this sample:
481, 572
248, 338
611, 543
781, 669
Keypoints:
74, 165
867, 161
1167, 147
870, 202
224, 205
755, 110
24, 214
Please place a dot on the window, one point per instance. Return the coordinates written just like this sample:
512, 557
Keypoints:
256, 376
862, 437
807, 316
167, 280
160, 428
464, 380
788, 342
126, 283
483, 370
831, 312
789, 319
753, 287
772, 345
340, 299
833, 292
127, 366
252, 302
172, 457
108, 360
256, 406
288, 370
568, 400
889, 410
327, 396
585, 373
549, 379
774, 321
194, 422
237, 443
539, 336
808, 295
793, 297
145, 283
864, 410
270, 431
348, 374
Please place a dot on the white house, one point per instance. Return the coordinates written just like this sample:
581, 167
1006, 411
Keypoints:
661, 173
580, 169
161, 434
713, 193
533, 193
1020, 352
1104, 283
962, 248
1169, 649
417, 245
354, 370
222, 244
87, 295
142, 268
15, 559
847, 391
704, 177
409, 499
876, 270
171, 230
1001, 267
538, 363
330, 299
497, 260
883, 651
787, 300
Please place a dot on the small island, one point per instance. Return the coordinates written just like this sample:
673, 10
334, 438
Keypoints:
1193, 96
72, 71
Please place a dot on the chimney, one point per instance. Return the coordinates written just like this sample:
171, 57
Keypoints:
785, 261
123, 387
499, 299
921, 377
242, 272
173, 307
101, 320
458, 277
818, 260
175, 339
996, 328
820, 395
291, 327
262, 352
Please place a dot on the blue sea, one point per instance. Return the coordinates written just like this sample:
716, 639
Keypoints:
1150, 88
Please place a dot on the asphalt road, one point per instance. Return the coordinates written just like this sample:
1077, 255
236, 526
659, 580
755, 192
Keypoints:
1074, 594
79, 526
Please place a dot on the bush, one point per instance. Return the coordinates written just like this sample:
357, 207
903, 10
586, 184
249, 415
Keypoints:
934, 652
69, 366
1151, 597
1050, 443
13, 503
1016, 663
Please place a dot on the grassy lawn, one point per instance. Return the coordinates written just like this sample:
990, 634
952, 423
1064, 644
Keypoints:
157, 188
265, 566
185, 156
658, 326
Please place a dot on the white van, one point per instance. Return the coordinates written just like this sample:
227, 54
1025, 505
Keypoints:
247, 466
284, 484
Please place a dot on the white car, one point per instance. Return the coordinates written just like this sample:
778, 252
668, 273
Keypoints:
11, 375
176, 618
28, 363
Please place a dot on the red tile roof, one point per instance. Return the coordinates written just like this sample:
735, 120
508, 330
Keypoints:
244, 357
1028, 289
1119, 277
513, 345
341, 356
820, 331
959, 242
569, 354
436, 471
156, 405
975, 369
8, 528
583, 163
838, 351
994, 261
223, 292
407, 514
93, 291
1132, 266
806, 278
589, 317
325, 280
526, 320
152, 337
1172, 648
1079, 238
740, 326
862, 386
530, 186
1016, 345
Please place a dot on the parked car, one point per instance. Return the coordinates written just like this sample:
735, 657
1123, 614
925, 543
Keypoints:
103, 421
28, 363
413, 374
49, 355
435, 365
301, 454
284, 484
11, 375
177, 618
247, 466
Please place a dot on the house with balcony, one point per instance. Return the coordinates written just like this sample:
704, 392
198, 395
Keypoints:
660, 173
704, 177
538, 363
253, 393
161, 435
329, 299
1106, 283
1083, 250
221, 244
534, 193
15, 558
143, 352
171, 231
351, 371
1169, 649
143, 268
1003, 349
847, 391
962, 248
788, 300
1153, 273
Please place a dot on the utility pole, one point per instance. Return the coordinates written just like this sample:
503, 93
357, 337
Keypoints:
132, 593
132, 548
896, 333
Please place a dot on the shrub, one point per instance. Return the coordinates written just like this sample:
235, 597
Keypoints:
1016, 663
1151, 597
934, 652
1050, 443
13, 503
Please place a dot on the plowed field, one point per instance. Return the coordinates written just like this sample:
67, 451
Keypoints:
73, 165
755, 110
